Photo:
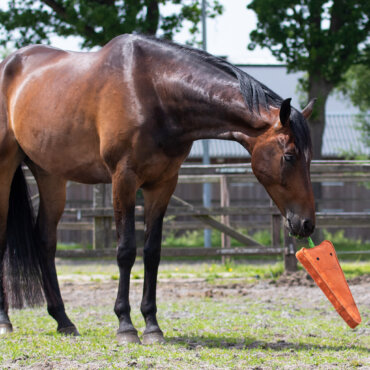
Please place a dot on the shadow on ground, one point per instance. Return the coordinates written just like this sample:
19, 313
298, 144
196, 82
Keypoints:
193, 342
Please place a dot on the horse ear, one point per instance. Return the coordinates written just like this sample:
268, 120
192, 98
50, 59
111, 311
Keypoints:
285, 111
307, 111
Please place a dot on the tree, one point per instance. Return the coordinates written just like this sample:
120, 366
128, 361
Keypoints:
324, 38
96, 21
356, 86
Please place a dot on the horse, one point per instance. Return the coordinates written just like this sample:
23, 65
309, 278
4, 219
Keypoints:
128, 114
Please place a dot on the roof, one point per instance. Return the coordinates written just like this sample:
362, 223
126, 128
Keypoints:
341, 136
277, 78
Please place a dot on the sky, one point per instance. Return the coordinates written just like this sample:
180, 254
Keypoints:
227, 35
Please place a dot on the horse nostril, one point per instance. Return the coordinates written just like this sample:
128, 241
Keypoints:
308, 226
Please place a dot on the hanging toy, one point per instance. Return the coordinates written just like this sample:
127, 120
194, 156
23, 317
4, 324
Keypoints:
322, 264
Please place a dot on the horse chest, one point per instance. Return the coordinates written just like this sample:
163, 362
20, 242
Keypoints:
158, 167
155, 163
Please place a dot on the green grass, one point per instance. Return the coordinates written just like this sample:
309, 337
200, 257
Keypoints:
210, 270
73, 246
201, 333
354, 269
195, 238
235, 331
343, 244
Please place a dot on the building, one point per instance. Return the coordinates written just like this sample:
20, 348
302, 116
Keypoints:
341, 136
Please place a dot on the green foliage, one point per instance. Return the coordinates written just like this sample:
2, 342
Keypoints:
4, 53
195, 238
318, 36
356, 86
97, 22
73, 246
188, 239
321, 37
344, 244
365, 128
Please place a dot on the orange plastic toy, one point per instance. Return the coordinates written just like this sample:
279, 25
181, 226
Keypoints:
322, 264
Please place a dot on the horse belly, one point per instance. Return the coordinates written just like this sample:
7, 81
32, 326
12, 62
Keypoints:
57, 134
70, 155
69, 149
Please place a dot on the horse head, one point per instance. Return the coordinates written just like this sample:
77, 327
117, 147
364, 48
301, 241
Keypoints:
281, 162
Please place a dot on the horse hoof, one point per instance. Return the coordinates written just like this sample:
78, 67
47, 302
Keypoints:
5, 328
155, 337
69, 330
128, 337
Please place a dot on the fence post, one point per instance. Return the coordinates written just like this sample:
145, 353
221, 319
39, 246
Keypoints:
290, 260
225, 219
102, 237
275, 231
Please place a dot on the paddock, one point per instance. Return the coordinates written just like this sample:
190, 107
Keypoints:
213, 316
249, 315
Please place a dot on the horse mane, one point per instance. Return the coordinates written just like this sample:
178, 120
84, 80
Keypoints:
254, 92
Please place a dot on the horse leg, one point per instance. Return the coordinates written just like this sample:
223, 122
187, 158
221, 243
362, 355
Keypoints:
52, 192
7, 171
124, 197
156, 200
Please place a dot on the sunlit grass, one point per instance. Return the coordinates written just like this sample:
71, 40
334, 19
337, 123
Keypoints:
107, 269
201, 333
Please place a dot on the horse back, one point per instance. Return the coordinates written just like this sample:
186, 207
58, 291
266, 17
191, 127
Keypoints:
95, 108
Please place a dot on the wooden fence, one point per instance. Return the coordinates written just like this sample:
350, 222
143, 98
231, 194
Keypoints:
218, 218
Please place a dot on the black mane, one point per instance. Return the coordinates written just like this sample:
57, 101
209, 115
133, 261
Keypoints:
254, 92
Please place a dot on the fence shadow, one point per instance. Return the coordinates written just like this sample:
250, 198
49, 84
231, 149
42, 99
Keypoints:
194, 342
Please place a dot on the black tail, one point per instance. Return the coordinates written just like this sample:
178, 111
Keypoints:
23, 262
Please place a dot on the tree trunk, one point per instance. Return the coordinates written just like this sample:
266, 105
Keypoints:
320, 89
152, 17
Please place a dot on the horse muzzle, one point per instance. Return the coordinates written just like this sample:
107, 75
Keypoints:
298, 226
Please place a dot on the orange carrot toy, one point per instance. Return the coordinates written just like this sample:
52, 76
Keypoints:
322, 264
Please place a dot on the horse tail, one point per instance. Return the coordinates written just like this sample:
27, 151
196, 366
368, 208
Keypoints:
23, 260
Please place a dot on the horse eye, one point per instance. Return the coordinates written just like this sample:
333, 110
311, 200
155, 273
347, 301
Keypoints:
289, 157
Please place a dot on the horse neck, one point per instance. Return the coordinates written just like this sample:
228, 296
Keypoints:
212, 107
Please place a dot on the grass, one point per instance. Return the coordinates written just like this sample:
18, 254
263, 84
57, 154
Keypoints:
212, 271
195, 238
230, 333
343, 244
354, 269
236, 331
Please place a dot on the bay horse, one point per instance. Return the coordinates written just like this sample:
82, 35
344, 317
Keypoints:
128, 115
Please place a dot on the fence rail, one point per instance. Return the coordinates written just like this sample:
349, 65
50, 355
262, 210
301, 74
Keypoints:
102, 213
323, 219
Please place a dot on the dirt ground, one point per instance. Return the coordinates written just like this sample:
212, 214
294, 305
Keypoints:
298, 285
298, 288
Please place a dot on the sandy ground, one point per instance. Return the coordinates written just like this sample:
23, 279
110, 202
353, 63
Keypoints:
81, 292
297, 286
